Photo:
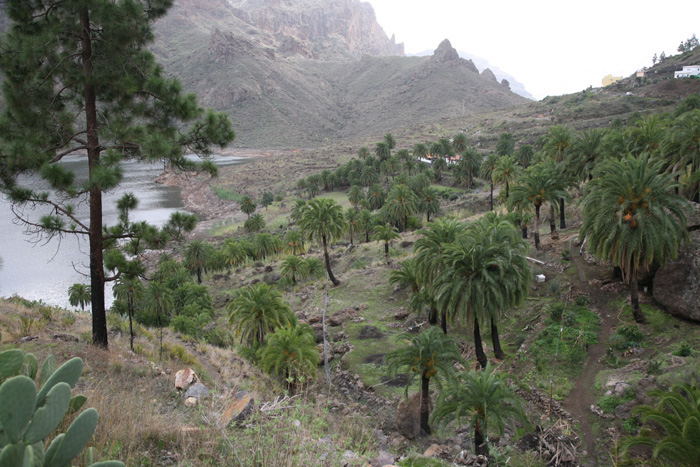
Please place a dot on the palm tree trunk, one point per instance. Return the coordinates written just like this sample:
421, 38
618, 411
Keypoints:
634, 296
386, 252
562, 214
480, 446
552, 221
491, 197
507, 190
480, 355
199, 275
443, 321
327, 258
537, 227
433, 316
497, 350
424, 403
523, 229
427, 217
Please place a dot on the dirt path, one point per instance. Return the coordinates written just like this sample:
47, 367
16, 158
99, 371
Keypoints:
581, 398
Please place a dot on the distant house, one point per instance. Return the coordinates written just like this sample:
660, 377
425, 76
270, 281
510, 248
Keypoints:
688, 71
641, 73
610, 79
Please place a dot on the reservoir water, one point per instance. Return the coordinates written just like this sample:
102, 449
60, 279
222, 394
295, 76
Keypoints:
39, 270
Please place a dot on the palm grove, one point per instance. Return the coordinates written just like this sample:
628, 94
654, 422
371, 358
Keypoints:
79, 82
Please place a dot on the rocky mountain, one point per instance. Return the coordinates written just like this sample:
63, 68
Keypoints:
294, 73
301, 72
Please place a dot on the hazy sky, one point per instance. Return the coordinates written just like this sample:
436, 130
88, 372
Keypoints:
552, 47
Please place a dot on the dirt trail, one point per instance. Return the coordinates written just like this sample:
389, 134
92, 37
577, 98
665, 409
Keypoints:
581, 398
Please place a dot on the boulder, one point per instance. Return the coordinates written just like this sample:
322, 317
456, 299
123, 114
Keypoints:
408, 416
190, 402
238, 409
339, 317
198, 391
185, 378
437, 450
677, 283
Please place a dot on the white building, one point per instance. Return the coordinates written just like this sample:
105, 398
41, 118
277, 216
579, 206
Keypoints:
688, 71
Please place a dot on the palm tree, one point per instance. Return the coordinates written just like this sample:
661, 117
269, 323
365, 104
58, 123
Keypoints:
79, 295
671, 427
647, 135
459, 143
505, 172
247, 205
382, 150
159, 300
516, 279
406, 276
401, 202
255, 223
420, 150
488, 167
257, 310
292, 267
484, 399
294, 243
535, 187
390, 141
385, 233
376, 197
683, 147
291, 352
505, 144
429, 249
314, 267
429, 202
234, 253
524, 155
471, 161
438, 166
324, 220
129, 290
586, 149
555, 147
355, 195
197, 257
297, 209
367, 221
427, 354
352, 216
266, 245
369, 175
363, 152
632, 217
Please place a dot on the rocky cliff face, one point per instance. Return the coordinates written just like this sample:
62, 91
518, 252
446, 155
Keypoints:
324, 26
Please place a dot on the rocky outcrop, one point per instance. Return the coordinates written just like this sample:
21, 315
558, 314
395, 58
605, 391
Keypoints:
446, 54
350, 24
677, 283
408, 416
488, 74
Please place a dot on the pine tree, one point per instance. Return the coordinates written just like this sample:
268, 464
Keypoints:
78, 80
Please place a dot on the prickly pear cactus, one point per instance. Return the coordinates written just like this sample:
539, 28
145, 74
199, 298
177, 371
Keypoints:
28, 415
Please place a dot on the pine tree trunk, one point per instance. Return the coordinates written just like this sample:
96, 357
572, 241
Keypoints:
537, 227
497, 350
562, 214
424, 403
131, 324
480, 355
97, 279
327, 258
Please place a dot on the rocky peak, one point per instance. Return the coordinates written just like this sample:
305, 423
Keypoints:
487, 73
445, 52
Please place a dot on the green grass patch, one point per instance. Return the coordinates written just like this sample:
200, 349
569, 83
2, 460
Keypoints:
227, 193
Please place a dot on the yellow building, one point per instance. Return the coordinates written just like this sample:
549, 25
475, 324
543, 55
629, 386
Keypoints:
610, 79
